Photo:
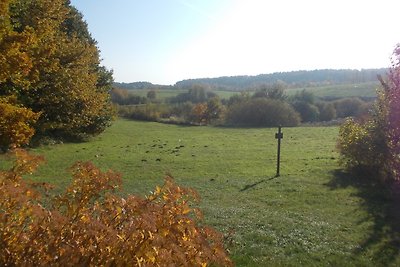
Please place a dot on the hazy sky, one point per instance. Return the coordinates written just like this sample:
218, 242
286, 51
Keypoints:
164, 41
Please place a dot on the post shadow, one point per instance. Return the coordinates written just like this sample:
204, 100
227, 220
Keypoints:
249, 186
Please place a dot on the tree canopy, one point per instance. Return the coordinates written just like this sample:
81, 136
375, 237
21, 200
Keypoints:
50, 64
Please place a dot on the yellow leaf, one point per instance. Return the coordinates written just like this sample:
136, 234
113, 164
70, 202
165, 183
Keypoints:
119, 210
186, 210
158, 190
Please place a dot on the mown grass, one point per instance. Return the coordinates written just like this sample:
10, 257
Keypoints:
312, 215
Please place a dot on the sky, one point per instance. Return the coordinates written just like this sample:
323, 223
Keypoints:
165, 41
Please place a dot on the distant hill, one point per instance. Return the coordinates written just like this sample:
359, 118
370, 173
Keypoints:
293, 79
140, 86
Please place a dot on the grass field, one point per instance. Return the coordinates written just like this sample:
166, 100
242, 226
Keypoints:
312, 215
338, 91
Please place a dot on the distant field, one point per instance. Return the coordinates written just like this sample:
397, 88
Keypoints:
337, 91
313, 215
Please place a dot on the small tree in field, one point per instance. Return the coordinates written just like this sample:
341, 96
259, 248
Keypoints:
215, 109
198, 113
151, 94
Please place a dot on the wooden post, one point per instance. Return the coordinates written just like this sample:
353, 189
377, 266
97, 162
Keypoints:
279, 136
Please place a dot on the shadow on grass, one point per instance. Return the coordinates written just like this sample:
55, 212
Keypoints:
382, 202
249, 186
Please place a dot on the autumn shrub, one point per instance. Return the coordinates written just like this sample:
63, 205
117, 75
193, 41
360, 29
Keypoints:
363, 148
375, 143
262, 112
92, 225
198, 113
16, 123
364, 143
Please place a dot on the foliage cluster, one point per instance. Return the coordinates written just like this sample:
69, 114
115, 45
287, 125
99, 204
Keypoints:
363, 148
50, 63
312, 110
91, 225
123, 97
350, 107
16, 123
373, 144
262, 112
198, 93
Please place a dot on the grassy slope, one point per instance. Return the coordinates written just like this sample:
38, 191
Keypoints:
337, 91
311, 216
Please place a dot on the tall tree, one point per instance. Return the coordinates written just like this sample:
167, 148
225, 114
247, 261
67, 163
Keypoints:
65, 81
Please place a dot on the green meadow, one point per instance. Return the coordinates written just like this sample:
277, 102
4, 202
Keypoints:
367, 90
314, 214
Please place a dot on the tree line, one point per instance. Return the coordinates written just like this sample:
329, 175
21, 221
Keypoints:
293, 79
267, 106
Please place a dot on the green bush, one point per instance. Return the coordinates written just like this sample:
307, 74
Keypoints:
327, 111
363, 147
262, 112
349, 107
308, 112
147, 112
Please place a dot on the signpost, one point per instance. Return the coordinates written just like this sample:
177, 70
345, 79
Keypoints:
279, 136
